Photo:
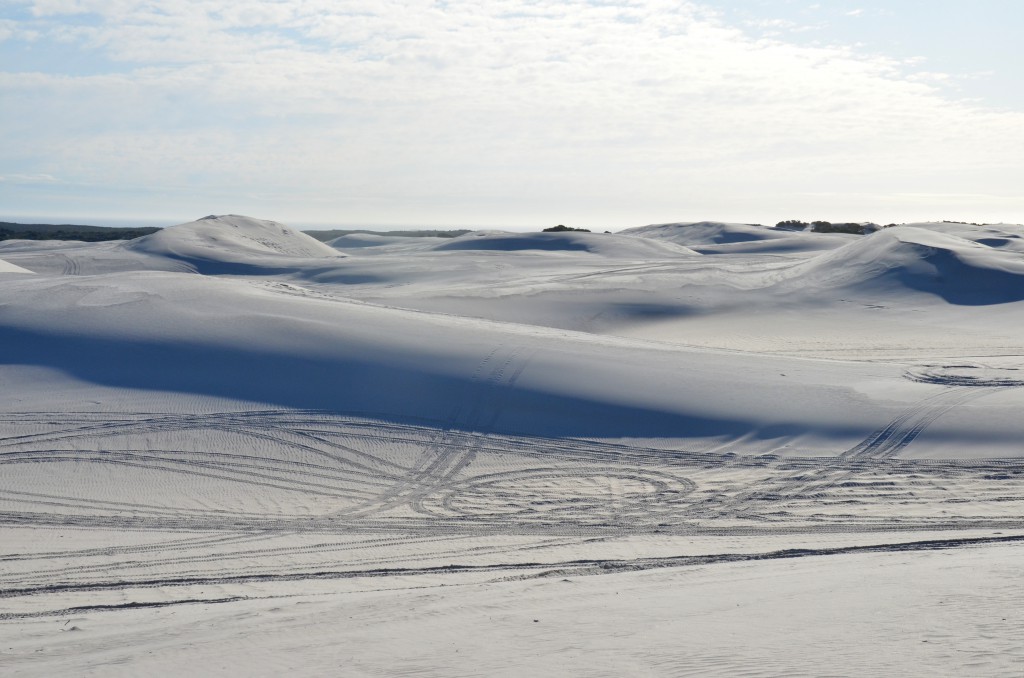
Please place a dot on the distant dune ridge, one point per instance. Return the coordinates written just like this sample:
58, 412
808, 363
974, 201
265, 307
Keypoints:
708, 233
712, 237
606, 244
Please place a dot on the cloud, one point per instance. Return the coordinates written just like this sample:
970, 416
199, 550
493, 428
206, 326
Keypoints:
471, 108
28, 178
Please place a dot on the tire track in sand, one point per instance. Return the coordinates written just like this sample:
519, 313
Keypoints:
878, 447
448, 452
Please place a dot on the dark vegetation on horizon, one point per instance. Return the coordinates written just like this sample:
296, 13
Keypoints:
856, 229
562, 229
324, 236
829, 227
14, 231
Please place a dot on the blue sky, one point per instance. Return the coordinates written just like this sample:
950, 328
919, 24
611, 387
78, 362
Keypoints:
974, 44
510, 113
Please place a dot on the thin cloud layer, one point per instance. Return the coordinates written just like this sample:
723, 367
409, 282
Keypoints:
492, 112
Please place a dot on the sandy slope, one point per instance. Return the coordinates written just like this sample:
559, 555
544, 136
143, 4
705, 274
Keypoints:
7, 267
229, 449
280, 345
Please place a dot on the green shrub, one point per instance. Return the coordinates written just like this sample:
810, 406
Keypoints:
561, 229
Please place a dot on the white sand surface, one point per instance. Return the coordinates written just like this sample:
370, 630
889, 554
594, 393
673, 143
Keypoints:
686, 449
7, 267
943, 613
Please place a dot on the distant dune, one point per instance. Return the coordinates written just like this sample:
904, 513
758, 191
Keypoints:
232, 244
901, 258
713, 237
707, 233
606, 244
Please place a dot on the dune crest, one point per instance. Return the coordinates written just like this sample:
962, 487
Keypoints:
908, 258
230, 243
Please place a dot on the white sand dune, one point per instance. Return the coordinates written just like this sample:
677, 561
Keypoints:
233, 244
687, 449
713, 237
709, 233
282, 345
1009, 237
892, 261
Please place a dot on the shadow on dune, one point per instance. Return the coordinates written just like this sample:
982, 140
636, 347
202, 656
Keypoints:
904, 258
271, 268
549, 242
640, 311
380, 387
958, 282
